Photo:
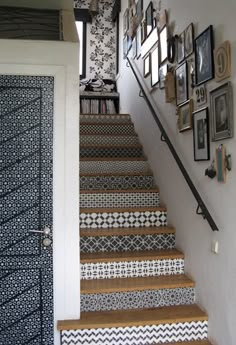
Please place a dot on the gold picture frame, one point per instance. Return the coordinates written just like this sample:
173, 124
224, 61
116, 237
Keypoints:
222, 59
185, 116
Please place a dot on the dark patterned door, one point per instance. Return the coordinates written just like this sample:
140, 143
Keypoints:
26, 289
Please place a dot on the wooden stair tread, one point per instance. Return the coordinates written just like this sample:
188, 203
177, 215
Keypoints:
131, 256
194, 342
120, 191
126, 209
115, 159
108, 123
135, 284
145, 173
111, 146
127, 231
138, 317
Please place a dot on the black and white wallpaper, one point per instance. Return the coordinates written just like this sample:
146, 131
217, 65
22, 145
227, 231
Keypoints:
101, 41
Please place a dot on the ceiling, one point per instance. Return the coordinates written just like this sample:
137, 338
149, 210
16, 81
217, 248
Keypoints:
43, 4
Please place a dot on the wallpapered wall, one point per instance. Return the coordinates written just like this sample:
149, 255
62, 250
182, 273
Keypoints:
101, 41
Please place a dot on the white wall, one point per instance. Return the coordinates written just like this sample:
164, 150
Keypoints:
61, 61
215, 275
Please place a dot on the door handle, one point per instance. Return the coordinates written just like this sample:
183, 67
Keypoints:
46, 231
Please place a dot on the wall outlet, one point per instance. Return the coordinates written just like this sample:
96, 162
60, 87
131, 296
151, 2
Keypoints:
215, 247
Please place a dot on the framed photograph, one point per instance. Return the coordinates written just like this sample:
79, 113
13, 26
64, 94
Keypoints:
204, 62
134, 48
180, 48
201, 143
222, 112
181, 81
149, 18
146, 66
139, 11
185, 116
201, 95
126, 22
163, 44
163, 19
143, 31
188, 40
162, 75
220, 164
222, 59
125, 47
155, 66
138, 41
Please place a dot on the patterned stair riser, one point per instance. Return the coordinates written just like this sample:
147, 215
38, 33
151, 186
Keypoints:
126, 243
142, 335
137, 299
107, 129
116, 182
85, 118
111, 200
131, 269
109, 140
100, 167
111, 152
137, 219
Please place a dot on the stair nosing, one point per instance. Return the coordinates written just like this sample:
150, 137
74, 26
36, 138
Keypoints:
127, 231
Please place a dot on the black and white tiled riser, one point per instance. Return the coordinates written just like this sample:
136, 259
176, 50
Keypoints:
128, 243
137, 299
100, 167
108, 140
101, 118
110, 152
116, 182
122, 199
107, 129
131, 269
113, 219
142, 335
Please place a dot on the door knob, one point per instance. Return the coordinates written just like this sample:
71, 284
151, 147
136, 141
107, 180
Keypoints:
46, 231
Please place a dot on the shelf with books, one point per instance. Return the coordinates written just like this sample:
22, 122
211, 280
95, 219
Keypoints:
99, 103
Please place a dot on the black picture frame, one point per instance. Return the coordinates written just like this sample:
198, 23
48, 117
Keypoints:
181, 83
180, 47
204, 56
138, 41
146, 66
162, 75
139, 11
149, 18
189, 40
201, 142
155, 66
163, 38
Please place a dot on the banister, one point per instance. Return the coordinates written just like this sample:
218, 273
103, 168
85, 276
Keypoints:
201, 205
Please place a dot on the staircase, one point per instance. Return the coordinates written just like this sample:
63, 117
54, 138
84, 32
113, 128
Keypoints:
133, 287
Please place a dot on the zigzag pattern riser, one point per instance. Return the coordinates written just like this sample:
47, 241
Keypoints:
111, 152
137, 299
102, 118
146, 335
107, 129
108, 140
116, 182
131, 269
126, 243
114, 167
106, 220
112, 200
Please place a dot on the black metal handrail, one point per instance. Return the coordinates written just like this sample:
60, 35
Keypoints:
201, 208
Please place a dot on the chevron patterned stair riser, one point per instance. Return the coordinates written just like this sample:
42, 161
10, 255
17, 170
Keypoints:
116, 182
122, 219
111, 152
107, 129
112, 200
85, 118
108, 140
114, 167
126, 243
131, 269
137, 299
143, 335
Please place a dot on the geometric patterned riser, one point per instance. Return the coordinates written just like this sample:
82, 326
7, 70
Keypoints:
114, 167
126, 243
116, 182
108, 200
107, 129
142, 335
109, 140
104, 118
131, 269
136, 299
124, 219
110, 152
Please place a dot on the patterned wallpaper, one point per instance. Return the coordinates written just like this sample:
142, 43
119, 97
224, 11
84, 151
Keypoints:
101, 41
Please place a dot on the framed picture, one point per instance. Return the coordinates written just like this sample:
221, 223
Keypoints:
185, 116
125, 47
125, 21
181, 81
162, 75
222, 112
201, 144
146, 66
134, 47
171, 49
155, 66
220, 164
143, 31
222, 59
163, 19
180, 48
138, 41
149, 18
188, 40
139, 11
163, 44
201, 95
204, 62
